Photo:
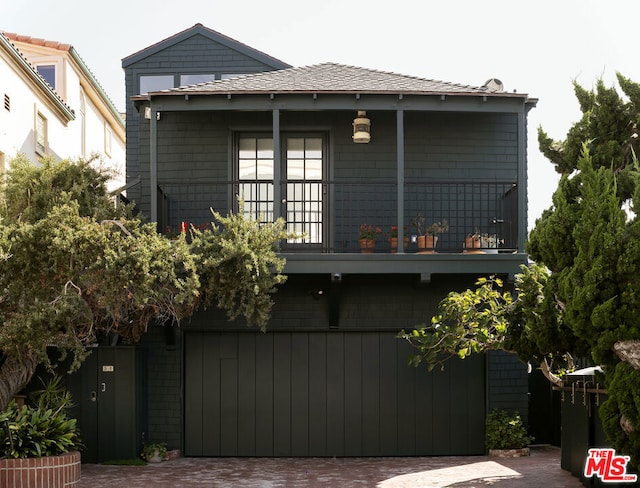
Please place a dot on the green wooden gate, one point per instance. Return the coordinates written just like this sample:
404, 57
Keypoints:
326, 394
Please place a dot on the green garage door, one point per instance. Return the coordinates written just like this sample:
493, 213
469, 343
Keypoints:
326, 394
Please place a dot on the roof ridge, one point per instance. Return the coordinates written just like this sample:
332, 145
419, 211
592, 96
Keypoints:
213, 33
412, 77
331, 77
37, 41
308, 67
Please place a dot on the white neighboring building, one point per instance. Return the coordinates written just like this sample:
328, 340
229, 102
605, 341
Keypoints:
53, 105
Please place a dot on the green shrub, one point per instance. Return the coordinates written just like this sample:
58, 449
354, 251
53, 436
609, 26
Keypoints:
623, 400
505, 431
148, 450
40, 430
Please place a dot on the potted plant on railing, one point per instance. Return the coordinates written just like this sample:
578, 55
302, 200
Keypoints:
428, 236
368, 234
393, 239
473, 243
490, 242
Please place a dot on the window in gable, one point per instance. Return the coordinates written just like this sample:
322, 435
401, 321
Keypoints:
151, 83
48, 72
194, 79
7, 103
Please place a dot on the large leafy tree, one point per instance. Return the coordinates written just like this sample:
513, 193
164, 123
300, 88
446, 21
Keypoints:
583, 296
76, 268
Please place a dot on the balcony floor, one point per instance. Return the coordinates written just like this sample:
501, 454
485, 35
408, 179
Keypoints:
424, 265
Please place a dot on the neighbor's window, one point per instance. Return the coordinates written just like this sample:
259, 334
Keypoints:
48, 72
151, 83
83, 125
196, 78
108, 139
41, 134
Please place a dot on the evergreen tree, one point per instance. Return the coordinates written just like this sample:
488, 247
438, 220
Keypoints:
76, 269
583, 295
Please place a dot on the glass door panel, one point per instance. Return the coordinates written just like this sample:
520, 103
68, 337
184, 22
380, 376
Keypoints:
304, 209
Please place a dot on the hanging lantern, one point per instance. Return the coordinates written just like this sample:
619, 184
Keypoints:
361, 128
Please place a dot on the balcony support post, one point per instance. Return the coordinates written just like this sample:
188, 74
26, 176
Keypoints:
153, 166
400, 177
278, 203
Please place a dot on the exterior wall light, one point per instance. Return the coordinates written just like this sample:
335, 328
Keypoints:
361, 128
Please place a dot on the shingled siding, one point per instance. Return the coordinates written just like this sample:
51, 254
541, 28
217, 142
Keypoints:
376, 303
197, 54
510, 383
164, 400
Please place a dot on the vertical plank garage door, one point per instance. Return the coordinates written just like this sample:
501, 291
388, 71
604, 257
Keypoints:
326, 394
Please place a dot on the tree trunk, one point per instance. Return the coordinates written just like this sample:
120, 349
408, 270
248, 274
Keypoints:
14, 376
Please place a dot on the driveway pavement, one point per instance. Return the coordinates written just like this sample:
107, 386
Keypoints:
541, 469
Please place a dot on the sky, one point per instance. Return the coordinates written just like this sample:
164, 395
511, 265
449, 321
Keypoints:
537, 47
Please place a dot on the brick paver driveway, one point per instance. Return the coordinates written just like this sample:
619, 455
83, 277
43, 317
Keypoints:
541, 469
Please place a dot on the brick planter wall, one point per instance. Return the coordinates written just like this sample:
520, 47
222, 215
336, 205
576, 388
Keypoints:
46, 472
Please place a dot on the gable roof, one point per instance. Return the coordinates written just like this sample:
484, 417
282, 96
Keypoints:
68, 48
331, 78
199, 29
21, 61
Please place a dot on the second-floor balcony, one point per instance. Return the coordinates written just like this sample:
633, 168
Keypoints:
331, 215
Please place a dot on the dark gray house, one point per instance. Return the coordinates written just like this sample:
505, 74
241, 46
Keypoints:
330, 148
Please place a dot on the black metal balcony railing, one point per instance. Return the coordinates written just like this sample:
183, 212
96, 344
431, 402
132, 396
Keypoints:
468, 207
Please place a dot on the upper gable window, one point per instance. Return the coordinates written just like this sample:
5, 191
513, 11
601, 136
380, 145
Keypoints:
152, 83
48, 72
226, 76
194, 79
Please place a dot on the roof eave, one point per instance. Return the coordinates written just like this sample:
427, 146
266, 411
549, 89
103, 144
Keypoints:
97, 87
182, 93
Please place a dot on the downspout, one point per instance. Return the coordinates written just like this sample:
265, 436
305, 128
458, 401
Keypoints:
400, 177
522, 180
523, 209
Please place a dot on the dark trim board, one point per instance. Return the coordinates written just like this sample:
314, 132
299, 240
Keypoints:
326, 394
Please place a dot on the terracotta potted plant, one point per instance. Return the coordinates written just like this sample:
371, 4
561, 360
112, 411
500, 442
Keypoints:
393, 239
368, 234
473, 243
428, 236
